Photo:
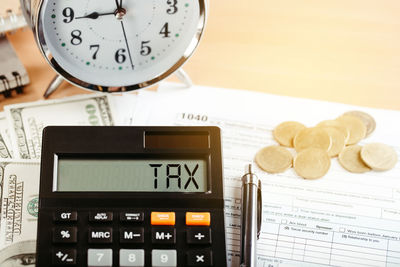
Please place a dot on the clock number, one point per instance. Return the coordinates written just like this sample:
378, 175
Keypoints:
173, 8
69, 14
120, 57
165, 31
76, 37
96, 49
145, 49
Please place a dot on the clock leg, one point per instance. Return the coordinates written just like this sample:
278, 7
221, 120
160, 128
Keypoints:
184, 77
55, 83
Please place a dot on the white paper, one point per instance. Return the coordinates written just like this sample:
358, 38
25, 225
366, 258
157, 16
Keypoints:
343, 219
124, 107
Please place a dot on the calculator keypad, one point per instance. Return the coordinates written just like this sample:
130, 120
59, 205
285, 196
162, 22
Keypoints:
159, 231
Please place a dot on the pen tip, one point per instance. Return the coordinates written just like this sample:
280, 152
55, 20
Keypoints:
248, 168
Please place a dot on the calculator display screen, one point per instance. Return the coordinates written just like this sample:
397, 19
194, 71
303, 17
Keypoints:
130, 175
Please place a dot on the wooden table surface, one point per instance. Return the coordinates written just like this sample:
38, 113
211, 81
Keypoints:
344, 51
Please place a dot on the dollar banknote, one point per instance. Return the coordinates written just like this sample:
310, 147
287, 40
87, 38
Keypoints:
5, 141
19, 211
27, 120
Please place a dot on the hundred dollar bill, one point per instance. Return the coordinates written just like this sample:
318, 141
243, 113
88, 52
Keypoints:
27, 120
19, 212
20, 254
5, 142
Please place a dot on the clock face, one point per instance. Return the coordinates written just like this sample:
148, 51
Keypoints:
109, 44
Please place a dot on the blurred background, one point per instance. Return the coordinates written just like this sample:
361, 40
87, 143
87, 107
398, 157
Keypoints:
341, 51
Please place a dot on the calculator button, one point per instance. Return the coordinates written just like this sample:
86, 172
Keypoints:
131, 257
163, 258
100, 216
100, 257
100, 235
131, 217
132, 235
199, 258
198, 236
163, 218
163, 235
65, 216
63, 257
198, 218
65, 234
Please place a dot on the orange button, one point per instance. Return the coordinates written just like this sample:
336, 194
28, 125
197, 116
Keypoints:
163, 218
198, 218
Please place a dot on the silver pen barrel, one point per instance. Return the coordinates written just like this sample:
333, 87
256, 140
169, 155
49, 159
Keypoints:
249, 218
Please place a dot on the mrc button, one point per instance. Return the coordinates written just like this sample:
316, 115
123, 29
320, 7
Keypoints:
163, 218
100, 235
198, 218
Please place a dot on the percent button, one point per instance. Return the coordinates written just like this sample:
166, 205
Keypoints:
65, 235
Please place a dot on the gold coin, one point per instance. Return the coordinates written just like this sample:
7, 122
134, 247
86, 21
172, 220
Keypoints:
274, 159
312, 137
350, 159
286, 131
367, 119
312, 163
338, 125
379, 157
338, 141
356, 127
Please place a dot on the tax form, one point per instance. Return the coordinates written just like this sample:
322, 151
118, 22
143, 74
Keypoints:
342, 219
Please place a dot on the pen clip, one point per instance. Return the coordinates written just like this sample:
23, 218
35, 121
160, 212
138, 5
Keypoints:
259, 209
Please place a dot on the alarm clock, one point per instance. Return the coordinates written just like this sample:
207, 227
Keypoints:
116, 45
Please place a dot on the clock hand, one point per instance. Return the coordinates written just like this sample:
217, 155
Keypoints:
127, 45
119, 4
95, 15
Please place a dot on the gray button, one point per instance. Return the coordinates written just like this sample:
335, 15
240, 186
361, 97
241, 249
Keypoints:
99, 257
131, 257
163, 258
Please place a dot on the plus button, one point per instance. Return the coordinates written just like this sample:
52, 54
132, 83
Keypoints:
199, 236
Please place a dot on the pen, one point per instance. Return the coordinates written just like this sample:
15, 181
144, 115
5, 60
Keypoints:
250, 218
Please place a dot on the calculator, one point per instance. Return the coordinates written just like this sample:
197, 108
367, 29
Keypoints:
131, 196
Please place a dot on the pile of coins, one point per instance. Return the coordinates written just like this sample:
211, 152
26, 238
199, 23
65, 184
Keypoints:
317, 145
